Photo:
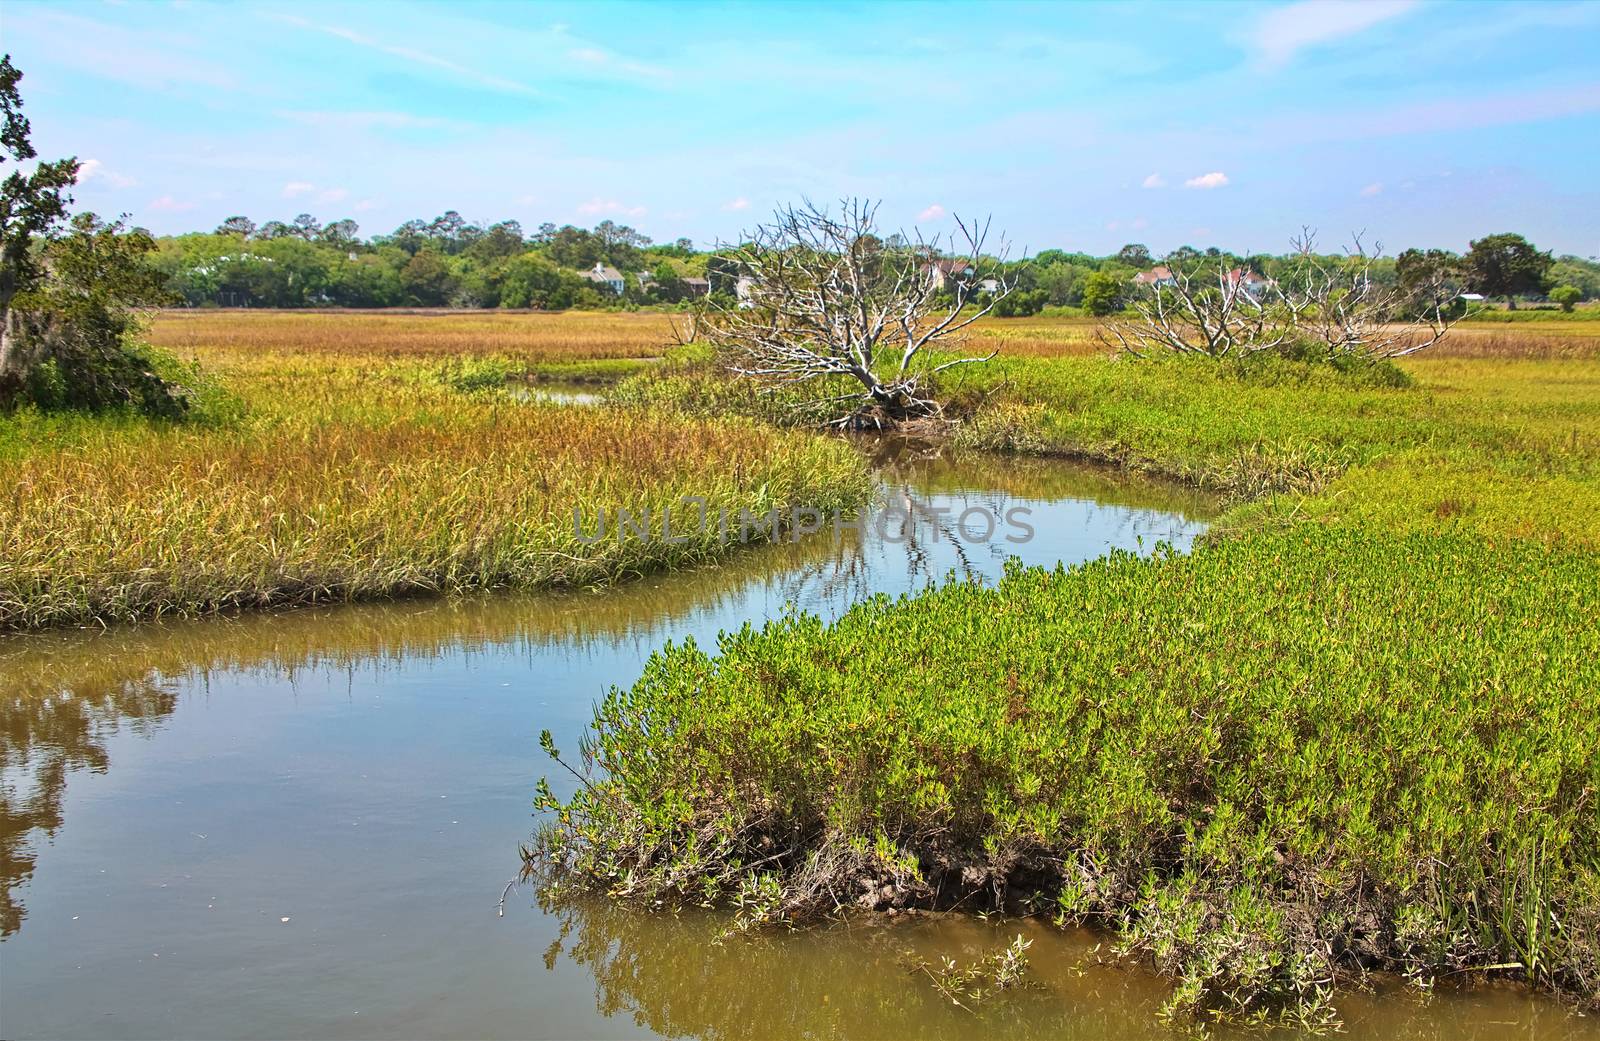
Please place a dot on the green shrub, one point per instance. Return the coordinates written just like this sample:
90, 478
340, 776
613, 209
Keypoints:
1350, 749
1566, 296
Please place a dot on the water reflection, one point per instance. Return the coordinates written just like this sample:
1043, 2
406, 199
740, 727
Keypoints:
296, 765
672, 976
44, 735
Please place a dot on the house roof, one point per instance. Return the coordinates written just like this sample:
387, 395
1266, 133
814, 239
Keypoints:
1156, 274
951, 265
603, 273
696, 280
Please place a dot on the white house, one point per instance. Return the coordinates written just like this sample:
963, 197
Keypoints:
1252, 284
607, 276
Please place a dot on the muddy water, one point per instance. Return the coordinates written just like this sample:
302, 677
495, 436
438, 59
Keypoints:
301, 825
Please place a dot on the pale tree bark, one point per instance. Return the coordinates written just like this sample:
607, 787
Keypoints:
822, 295
1338, 306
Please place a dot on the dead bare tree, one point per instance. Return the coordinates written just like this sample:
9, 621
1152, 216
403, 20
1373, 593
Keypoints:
1334, 306
1344, 309
1205, 307
821, 295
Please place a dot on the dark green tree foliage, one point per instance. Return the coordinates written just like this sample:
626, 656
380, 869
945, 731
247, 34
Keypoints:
1506, 265
1103, 293
70, 294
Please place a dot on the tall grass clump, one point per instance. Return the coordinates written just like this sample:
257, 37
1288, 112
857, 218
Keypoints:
1271, 764
406, 491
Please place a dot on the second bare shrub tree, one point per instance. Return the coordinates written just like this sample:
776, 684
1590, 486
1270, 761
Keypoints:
1335, 307
822, 294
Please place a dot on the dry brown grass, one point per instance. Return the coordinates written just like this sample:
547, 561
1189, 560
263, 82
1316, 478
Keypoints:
230, 339
525, 336
1061, 337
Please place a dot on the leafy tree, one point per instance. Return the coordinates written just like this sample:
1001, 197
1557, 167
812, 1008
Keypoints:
1566, 296
1427, 277
502, 240
1062, 283
1021, 305
340, 233
1506, 265
243, 227
426, 280
1103, 293
306, 226
1135, 254
31, 205
69, 299
1569, 270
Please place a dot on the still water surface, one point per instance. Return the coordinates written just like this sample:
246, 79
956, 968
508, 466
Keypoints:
300, 825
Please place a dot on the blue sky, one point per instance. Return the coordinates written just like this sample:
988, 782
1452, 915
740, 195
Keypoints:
1079, 126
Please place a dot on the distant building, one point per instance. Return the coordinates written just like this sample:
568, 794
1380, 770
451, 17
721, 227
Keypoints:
607, 276
944, 270
745, 290
1252, 284
696, 286
1158, 276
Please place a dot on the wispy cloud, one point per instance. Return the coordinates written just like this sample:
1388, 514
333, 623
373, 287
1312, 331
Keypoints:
361, 120
1442, 116
934, 212
1155, 180
333, 195
295, 189
411, 54
1285, 31
609, 207
139, 58
167, 204
1375, 188
637, 70
96, 172
741, 203
1214, 179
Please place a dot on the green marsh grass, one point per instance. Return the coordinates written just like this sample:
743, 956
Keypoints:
1355, 728
340, 474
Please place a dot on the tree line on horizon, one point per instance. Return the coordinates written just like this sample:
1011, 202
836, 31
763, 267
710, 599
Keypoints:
452, 262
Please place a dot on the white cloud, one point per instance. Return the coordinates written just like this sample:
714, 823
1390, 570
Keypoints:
934, 212
1285, 30
1373, 189
592, 55
525, 200
741, 203
596, 207
333, 195
1139, 224
295, 189
1214, 179
411, 55
167, 204
366, 204
95, 170
1155, 180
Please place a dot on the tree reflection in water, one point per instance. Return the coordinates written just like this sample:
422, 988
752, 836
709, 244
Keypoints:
44, 737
